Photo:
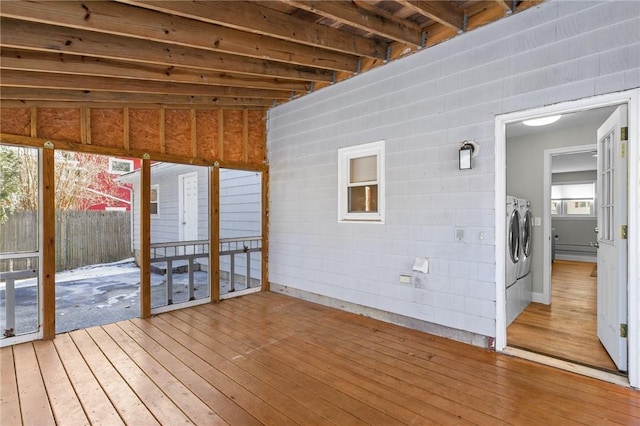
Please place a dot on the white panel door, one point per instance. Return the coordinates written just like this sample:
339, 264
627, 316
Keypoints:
612, 251
188, 206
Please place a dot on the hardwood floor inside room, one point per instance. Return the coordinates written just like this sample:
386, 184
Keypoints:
567, 328
273, 360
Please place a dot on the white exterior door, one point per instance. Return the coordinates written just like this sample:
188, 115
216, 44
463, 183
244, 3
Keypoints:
612, 238
188, 206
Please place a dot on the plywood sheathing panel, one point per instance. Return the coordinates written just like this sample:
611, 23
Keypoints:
144, 129
61, 124
232, 135
177, 132
235, 137
207, 134
16, 121
257, 142
107, 127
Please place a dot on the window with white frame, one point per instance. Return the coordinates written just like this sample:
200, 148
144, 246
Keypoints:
154, 207
120, 166
573, 199
361, 183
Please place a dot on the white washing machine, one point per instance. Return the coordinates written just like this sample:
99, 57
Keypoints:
513, 250
519, 294
526, 237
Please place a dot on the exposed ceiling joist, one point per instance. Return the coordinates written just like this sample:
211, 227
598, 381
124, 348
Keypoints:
214, 53
447, 13
256, 17
12, 78
49, 38
120, 19
19, 96
85, 65
348, 13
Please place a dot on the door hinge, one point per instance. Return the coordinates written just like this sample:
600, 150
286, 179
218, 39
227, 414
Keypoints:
623, 330
623, 232
624, 131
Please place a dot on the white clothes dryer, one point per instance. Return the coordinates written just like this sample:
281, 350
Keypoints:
513, 250
526, 237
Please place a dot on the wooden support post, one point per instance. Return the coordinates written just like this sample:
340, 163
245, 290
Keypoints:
145, 239
214, 226
265, 231
48, 243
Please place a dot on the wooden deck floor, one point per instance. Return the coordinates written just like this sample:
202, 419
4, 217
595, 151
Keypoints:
566, 329
270, 359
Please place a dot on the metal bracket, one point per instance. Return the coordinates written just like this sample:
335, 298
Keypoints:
146, 156
216, 164
623, 232
423, 39
48, 145
623, 330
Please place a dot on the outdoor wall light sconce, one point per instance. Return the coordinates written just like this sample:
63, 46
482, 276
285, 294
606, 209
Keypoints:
468, 150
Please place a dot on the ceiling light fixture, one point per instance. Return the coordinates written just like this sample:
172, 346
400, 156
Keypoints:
543, 121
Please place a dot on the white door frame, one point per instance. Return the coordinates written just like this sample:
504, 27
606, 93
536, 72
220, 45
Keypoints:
632, 98
545, 296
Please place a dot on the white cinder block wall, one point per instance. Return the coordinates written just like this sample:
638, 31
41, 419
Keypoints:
424, 106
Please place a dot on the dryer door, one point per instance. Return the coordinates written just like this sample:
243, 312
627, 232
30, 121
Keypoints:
527, 233
513, 238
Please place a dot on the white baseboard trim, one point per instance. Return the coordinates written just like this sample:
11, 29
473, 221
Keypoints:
537, 297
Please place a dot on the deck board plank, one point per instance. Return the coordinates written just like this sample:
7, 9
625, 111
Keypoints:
185, 400
432, 381
9, 398
65, 404
34, 402
90, 394
463, 369
131, 409
346, 409
282, 402
406, 408
226, 407
270, 359
155, 399
194, 355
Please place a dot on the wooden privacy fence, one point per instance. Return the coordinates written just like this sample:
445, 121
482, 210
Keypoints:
82, 238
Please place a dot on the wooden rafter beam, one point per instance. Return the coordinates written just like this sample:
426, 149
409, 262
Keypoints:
19, 96
11, 78
29, 36
444, 12
83, 65
506, 5
348, 13
259, 19
125, 20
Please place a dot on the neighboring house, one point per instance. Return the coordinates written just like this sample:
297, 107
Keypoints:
114, 198
180, 204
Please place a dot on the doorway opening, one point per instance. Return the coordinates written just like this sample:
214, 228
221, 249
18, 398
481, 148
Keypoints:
564, 312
